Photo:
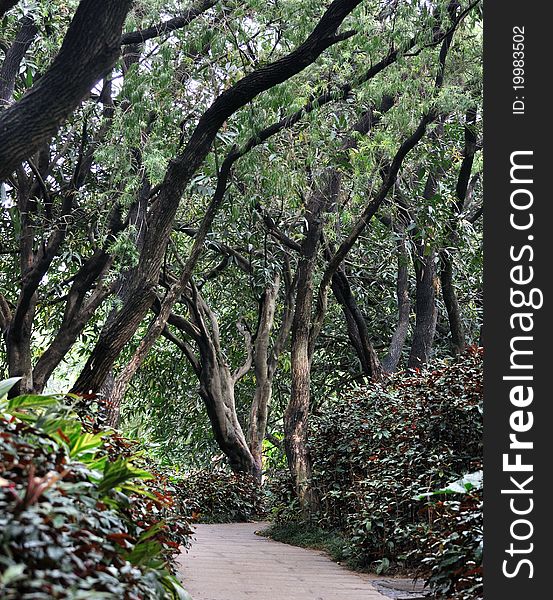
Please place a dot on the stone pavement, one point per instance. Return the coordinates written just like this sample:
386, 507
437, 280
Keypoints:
230, 562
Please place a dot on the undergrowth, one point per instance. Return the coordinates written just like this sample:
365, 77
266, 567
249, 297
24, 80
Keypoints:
83, 515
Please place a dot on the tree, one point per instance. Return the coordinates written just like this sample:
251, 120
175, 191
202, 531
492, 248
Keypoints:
225, 178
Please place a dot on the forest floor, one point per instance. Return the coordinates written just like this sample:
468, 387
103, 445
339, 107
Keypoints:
231, 562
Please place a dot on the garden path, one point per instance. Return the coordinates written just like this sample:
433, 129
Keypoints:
231, 562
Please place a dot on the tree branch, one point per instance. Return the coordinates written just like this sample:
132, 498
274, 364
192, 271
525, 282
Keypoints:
372, 207
165, 204
188, 15
14, 56
243, 369
89, 50
184, 347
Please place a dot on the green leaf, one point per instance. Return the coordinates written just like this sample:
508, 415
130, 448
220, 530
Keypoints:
153, 530
85, 442
470, 481
13, 572
32, 401
144, 552
118, 472
383, 566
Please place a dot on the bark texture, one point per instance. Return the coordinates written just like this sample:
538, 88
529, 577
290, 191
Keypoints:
13, 58
392, 358
217, 381
425, 307
297, 412
265, 360
89, 50
357, 328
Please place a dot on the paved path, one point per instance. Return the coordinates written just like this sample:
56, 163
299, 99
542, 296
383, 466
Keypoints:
230, 562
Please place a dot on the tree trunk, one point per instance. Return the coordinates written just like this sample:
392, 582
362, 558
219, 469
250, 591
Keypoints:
13, 58
217, 392
113, 339
5, 5
263, 375
449, 294
426, 311
258, 422
357, 329
109, 412
217, 382
391, 360
424, 261
18, 343
89, 50
458, 338
297, 412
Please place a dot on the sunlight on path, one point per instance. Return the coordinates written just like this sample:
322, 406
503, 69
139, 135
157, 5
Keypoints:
230, 562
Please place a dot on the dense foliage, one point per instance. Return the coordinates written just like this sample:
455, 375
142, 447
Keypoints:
453, 549
381, 454
238, 215
79, 517
218, 496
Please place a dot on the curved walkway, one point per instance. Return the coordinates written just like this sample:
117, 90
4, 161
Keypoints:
231, 562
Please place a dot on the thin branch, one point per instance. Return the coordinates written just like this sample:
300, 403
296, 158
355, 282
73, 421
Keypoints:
372, 207
188, 15
14, 56
184, 347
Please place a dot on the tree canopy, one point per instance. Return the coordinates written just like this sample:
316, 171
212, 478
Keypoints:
216, 214
219, 217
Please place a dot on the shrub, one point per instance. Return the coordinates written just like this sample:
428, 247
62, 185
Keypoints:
281, 496
455, 561
79, 517
217, 496
377, 447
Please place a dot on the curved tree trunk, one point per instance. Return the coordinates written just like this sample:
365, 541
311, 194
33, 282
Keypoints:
18, 344
217, 392
357, 329
264, 370
217, 381
13, 58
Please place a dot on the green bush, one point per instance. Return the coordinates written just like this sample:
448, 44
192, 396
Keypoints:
377, 448
217, 496
79, 516
455, 561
